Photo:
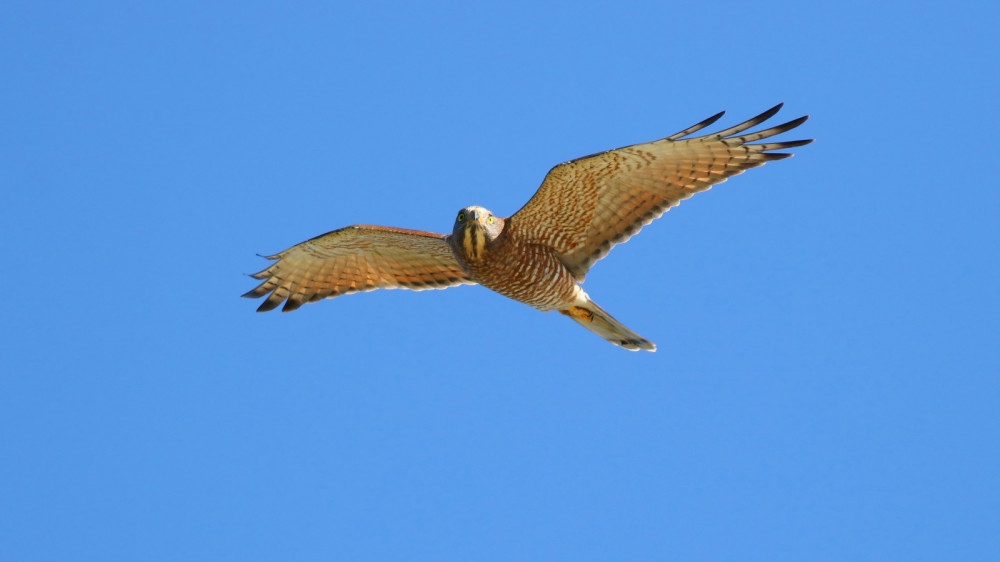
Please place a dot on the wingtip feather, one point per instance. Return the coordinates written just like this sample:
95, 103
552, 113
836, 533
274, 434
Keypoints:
768, 114
769, 156
696, 127
269, 304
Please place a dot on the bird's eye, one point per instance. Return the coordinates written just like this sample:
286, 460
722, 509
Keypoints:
461, 217
490, 219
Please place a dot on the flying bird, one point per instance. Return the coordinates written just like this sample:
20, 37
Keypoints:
540, 254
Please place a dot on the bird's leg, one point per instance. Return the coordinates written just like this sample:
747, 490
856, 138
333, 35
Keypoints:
579, 313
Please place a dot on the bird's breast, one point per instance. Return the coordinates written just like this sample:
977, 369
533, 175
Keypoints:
525, 272
472, 246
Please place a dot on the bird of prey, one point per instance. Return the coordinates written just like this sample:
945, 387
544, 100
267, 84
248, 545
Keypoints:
540, 254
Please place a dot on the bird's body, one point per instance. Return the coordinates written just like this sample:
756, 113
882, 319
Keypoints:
510, 263
499, 257
541, 254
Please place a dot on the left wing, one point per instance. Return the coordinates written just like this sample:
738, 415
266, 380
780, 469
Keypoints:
586, 206
358, 258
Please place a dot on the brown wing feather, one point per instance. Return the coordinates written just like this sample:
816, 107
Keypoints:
586, 206
358, 258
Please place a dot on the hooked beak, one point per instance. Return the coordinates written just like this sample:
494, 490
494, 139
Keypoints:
475, 214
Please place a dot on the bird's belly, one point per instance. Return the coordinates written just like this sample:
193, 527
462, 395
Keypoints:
532, 275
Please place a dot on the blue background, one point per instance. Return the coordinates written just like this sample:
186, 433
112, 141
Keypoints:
826, 385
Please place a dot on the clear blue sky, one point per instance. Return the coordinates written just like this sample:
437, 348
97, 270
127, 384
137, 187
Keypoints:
828, 373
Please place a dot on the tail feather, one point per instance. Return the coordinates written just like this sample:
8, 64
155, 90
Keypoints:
595, 319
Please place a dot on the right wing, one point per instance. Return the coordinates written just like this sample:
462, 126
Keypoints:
586, 206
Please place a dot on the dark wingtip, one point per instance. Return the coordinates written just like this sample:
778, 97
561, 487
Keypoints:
769, 113
696, 127
269, 304
794, 123
715, 117
793, 144
769, 156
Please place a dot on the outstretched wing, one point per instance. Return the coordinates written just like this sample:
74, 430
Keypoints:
358, 258
586, 206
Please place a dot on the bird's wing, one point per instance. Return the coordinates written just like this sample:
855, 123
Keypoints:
358, 258
586, 206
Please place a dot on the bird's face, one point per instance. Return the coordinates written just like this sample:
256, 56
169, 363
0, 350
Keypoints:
475, 226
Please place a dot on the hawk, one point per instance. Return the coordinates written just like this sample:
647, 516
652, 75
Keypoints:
540, 254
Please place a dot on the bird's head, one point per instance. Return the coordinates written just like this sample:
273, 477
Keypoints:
475, 226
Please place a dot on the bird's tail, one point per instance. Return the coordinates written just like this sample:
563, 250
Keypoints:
595, 319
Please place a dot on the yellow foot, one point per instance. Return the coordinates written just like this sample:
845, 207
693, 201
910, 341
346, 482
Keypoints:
579, 313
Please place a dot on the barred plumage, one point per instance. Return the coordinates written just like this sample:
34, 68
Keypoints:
540, 254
